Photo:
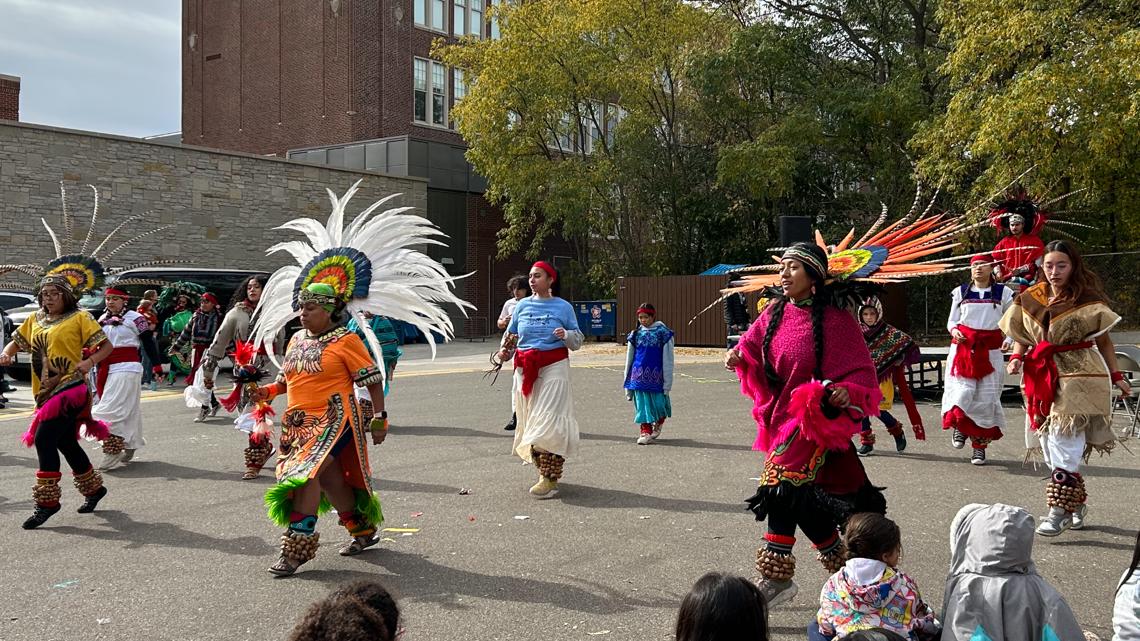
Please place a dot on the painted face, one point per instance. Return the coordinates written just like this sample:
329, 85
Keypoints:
1017, 228
870, 316
253, 291
115, 304
794, 279
540, 281
1058, 268
314, 317
52, 298
645, 319
982, 271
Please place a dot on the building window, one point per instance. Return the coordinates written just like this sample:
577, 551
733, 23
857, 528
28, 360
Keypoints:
459, 18
421, 73
476, 21
459, 88
430, 14
438, 94
467, 18
438, 12
495, 35
430, 89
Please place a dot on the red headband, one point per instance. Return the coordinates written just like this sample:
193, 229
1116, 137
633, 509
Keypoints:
646, 310
111, 291
210, 297
545, 266
982, 258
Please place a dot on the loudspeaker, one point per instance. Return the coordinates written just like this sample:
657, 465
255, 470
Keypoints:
795, 229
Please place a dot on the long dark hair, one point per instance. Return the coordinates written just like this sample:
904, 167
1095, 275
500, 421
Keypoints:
1134, 565
1083, 282
723, 608
820, 300
240, 292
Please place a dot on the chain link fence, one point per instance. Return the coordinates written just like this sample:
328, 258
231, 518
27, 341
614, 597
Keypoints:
928, 299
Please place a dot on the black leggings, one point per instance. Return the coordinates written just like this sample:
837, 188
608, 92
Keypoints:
58, 435
816, 524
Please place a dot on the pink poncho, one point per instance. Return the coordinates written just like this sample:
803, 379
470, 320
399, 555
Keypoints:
791, 427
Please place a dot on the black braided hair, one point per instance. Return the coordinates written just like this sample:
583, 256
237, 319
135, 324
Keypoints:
818, 307
774, 318
821, 298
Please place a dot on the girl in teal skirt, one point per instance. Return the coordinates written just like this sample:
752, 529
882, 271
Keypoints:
649, 373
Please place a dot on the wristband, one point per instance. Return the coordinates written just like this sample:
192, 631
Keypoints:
1117, 377
1015, 357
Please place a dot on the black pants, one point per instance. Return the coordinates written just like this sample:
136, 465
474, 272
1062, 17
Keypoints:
817, 525
58, 436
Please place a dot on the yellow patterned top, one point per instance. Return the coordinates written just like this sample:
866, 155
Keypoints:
57, 347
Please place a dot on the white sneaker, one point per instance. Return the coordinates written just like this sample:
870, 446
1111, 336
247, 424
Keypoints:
656, 432
1055, 523
202, 413
112, 461
1079, 516
645, 438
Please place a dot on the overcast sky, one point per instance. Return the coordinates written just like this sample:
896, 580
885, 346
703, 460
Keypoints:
101, 65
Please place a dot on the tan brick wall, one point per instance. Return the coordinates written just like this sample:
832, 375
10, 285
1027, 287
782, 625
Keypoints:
223, 205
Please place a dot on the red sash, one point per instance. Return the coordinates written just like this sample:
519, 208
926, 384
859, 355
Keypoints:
128, 354
530, 361
972, 359
1040, 377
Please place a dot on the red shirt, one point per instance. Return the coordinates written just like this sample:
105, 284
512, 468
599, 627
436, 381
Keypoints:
1015, 252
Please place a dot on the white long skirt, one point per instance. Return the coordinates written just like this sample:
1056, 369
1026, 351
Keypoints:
545, 419
979, 399
119, 407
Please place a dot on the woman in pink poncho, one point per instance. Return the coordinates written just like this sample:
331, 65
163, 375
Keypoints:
806, 367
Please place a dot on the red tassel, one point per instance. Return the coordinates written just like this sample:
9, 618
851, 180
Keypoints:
259, 438
263, 411
908, 402
243, 353
231, 402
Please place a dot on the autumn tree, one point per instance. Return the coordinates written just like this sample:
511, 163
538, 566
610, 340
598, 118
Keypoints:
579, 119
1053, 86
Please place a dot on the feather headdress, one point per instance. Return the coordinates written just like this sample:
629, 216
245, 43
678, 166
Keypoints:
889, 254
371, 266
77, 268
1034, 213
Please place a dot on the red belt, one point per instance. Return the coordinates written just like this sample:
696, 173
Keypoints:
972, 358
1040, 377
530, 361
117, 355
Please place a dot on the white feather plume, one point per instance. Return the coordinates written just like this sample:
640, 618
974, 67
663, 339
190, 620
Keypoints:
406, 284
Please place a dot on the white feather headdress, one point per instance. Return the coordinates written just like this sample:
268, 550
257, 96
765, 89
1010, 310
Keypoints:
372, 265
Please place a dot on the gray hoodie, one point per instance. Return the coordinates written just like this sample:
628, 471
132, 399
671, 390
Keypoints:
993, 591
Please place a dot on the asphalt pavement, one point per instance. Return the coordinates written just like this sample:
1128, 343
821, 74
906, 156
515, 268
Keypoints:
179, 548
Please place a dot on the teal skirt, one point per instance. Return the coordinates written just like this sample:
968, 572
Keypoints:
651, 407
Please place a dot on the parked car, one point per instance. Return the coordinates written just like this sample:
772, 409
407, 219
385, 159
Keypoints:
12, 300
221, 282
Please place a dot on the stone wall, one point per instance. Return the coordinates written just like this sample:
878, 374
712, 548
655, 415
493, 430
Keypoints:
223, 205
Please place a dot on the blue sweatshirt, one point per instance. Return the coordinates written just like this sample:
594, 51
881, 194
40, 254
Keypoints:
536, 319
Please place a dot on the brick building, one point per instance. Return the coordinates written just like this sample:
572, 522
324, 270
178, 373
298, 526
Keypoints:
9, 97
350, 83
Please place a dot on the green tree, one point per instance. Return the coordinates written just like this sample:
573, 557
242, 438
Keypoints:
578, 119
1049, 86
